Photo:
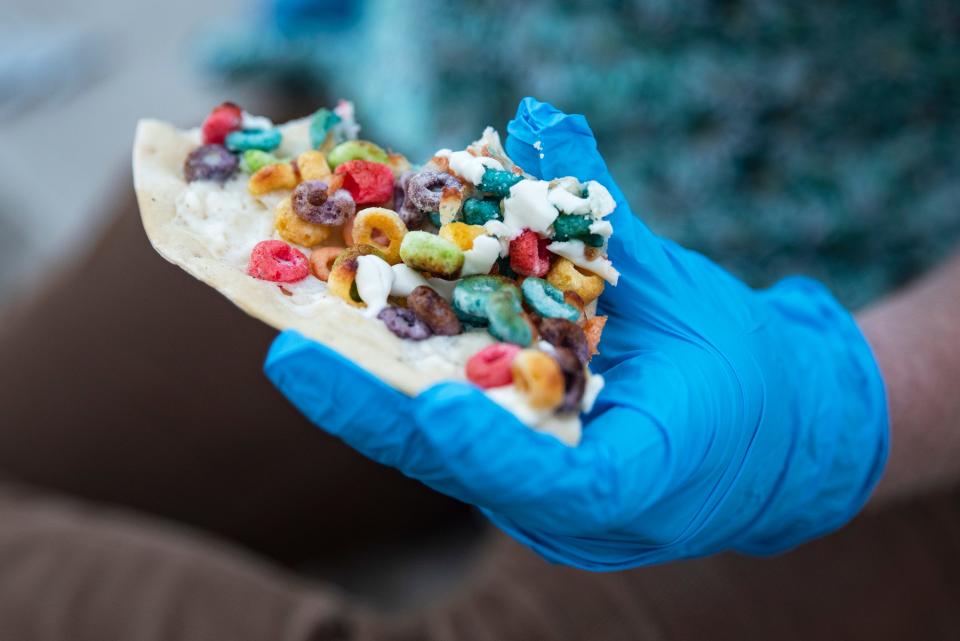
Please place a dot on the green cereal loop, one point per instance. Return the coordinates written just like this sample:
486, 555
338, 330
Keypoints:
570, 226
356, 150
253, 160
507, 320
320, 125
470, 296
546, 300
498, 182
263, 139
428, 252
477, 211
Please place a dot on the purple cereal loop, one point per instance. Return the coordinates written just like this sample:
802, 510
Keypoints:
311, 203
424, 189
339, 206
209, 162
574, 378
400, 190
308, 199
409, 214
404, 323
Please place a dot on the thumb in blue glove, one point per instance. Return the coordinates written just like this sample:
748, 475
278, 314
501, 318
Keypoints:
731, 418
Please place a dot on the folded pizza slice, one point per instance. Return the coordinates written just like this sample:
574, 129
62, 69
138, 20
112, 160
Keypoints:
462, 268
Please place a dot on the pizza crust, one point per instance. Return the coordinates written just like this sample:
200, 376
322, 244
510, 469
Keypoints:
158, 155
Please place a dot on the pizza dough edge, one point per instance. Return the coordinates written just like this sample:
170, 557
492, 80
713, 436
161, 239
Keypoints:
158, 154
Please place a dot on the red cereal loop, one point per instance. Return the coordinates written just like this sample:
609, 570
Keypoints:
277, 261
490, 367
529, 255
221, 121
370, 183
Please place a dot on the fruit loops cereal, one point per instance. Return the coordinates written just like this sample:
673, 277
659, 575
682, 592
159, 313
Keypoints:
465, 243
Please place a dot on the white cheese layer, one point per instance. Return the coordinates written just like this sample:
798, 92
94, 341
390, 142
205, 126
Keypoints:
565, 195
601, 202
471, 167
595, 383
528, 207
566, 427
228, 222
575, 252
502, 233
250, 121
601, 228
405, 280
480, 258
374, 280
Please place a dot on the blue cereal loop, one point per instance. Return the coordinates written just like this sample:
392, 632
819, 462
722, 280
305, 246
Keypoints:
262, 139
546, 300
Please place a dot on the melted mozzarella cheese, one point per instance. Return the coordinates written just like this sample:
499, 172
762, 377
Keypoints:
374, 281
575, 252
528, 207
480, 258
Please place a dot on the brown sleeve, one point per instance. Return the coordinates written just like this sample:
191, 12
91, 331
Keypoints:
69, 571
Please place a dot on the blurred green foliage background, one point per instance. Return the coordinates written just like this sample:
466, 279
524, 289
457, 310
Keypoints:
817, 137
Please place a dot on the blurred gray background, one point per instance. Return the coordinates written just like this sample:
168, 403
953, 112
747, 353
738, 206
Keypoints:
74, 79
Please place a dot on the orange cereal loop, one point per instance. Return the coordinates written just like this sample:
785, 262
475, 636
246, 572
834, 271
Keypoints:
593, 329
322, 259
312, 165
461, 234
383, 228
538, 377
296, 230
565, 276
334, 182
271, 178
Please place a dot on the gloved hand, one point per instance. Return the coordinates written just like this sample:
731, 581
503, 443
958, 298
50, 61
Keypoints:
731, 418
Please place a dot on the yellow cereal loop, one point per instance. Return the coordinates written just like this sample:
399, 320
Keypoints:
461, 234
538, 377
271, 178
565, 276
296, 230
381, 228
313, 165
341, 281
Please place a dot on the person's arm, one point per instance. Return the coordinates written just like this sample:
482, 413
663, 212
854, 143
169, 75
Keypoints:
915, 336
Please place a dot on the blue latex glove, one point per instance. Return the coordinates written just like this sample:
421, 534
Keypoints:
731, 418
